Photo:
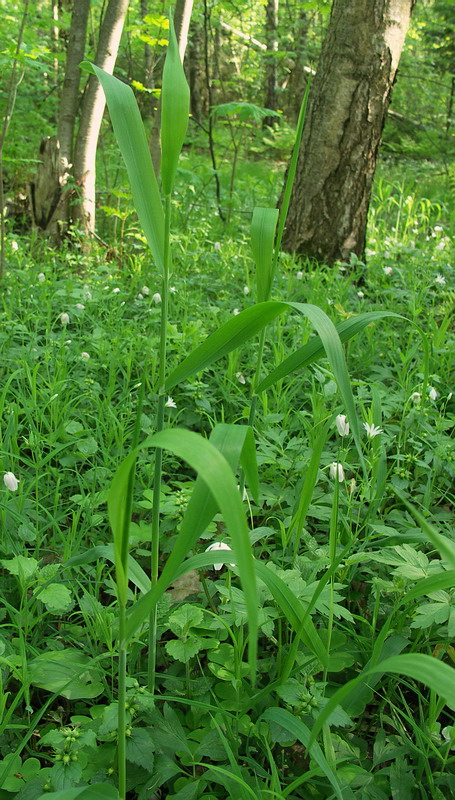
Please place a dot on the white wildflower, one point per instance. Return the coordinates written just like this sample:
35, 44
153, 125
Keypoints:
416, 397
337, 471
246, 290
218, 546
387, 270
170, 402
14, 245
145, 290
156, 297
236, 311
360, 294
41, 277
10, 481
433, 393
440, 279
64, 318
172, 290
372, 430
240, 377
80, 306
116, 290
217, 246
342, 425
85, 355
299, 275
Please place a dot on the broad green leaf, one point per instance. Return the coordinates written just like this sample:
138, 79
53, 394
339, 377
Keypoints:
117, 509
293, 610
443, 580
263, 227
56, 597
135, 572
306, 493
298, 730
439, 677
97, 791
215, 471
130, 134
243, 111
444, 546
140, 748
175, 107
22, 566
291, 171
314, 349
68, 672
234, 333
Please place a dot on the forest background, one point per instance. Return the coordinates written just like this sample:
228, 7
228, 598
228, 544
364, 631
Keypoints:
314, 657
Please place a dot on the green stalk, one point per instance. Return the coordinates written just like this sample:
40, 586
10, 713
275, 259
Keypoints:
121, 717
155, 547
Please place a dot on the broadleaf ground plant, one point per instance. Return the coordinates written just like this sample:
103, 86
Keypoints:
280, 619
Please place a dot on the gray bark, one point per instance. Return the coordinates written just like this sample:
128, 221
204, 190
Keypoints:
347, 108
271, 71
92, 114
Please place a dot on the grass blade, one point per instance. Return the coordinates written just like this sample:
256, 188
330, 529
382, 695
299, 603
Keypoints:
263, 227
215, 471
299, 730
175, 108
130, 134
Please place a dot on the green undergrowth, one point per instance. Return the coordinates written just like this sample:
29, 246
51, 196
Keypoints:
351, 557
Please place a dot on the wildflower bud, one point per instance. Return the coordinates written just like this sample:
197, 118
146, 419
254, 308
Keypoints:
299, 275
41, 277
64, 318
85, 355
145, 290
10, 481
433, 393
416, 397
246, 290
342, 425
156, 297
217, 246
388, 270
337, 471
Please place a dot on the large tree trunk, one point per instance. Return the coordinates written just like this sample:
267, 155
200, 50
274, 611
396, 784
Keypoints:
348, 104
49, 196
92, 114
270, 62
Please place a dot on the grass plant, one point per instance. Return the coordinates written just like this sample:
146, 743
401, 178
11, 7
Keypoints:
313, 657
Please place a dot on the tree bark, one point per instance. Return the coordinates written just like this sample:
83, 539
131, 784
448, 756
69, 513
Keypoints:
271, 82
92, 114
348, 104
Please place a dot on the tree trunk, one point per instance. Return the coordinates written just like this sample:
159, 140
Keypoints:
348, 104
92, 114
49, 196
194, 64
271, 82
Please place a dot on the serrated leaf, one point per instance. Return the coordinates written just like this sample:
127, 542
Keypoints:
21, 566
56, 597
184, 649
140, 748
184, 618
65, 776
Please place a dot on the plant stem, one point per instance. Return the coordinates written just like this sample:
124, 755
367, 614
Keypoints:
121, 734
155, 548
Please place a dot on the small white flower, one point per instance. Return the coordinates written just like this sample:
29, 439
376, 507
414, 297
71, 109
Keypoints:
441, 245
170, 402
299, 275
106, 288
80, 306
329, 301
14, 246
337, 471
137, 385
246, 290
360, 294
145, 290
240, 377
41, 277
433, 393
172, 290
85, 355
156, 297
218, 546
140, 296
388, 270
416, 397
440, 279
372, 430
67, 341
438, 228
342, 425
236, 311
116, 290
217, 246
53, 397
449, 396
10, 481
64, 318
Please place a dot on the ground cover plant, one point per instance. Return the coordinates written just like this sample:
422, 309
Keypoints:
227, 551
